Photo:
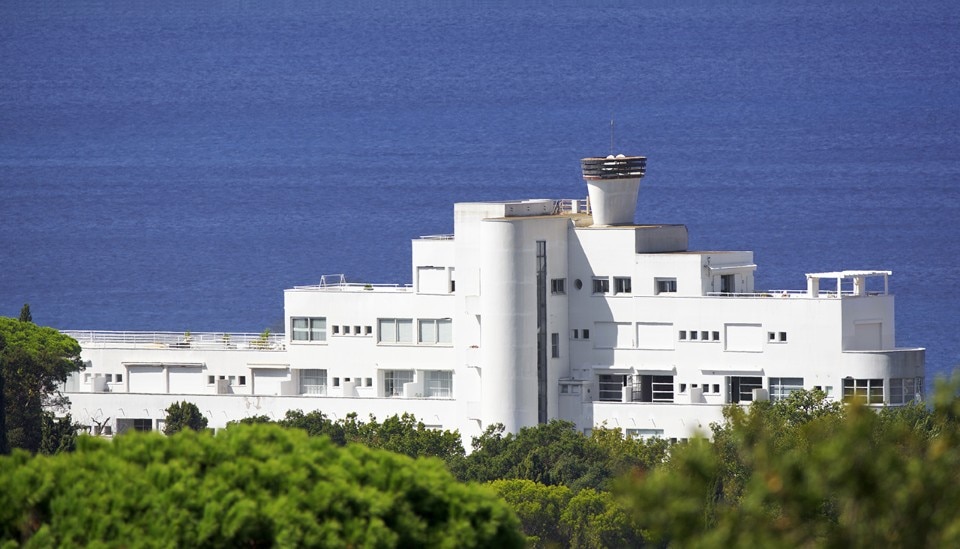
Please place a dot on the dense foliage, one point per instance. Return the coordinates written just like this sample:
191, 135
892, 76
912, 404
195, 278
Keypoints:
806, 472
250, 485
183, 415
33, 362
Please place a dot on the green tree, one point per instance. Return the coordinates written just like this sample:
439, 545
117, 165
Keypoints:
34, 362
25, 315
597, 519
539, 508
250, 485
554, 453
849, 477
183, 415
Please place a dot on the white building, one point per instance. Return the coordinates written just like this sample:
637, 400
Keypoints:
532, 310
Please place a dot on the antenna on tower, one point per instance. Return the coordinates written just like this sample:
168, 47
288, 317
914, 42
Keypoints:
611, 134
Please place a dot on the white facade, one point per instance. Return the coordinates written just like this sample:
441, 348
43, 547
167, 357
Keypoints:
530, 311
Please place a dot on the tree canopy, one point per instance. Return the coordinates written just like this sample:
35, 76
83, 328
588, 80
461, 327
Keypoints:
249, 485
183, 415
35, 360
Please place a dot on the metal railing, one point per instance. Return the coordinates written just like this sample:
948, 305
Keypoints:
179, 340
338, 283
824, 294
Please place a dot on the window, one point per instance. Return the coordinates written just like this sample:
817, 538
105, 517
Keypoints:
368, 382
693, 335
622, 285
309, 328
558, 286
781, 387
346, 330
569, 389
665, 285
683, 387
586, 333
336, 330
601, 285
109, 378
313, 382
395, 330
782, 337
869, 391
435, 331
140, 424
393, 381
119, 378
727, 283
650, 388
683, 335
336, 382
777, 337
644, 434
555, 345
367, 330
611, 387
576, 334
439, 384
716, 336
905, 390
242, 381
704, 335
211, 380
741, 388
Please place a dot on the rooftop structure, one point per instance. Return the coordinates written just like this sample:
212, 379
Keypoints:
532, 310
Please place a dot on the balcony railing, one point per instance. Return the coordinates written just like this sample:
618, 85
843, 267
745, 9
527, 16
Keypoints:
179, 340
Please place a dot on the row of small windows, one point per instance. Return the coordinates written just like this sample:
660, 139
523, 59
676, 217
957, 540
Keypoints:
430, 331
621, 285
437, 383
740, 389
240, 381
110, 378
702, 335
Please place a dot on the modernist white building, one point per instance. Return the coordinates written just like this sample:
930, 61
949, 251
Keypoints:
532, 310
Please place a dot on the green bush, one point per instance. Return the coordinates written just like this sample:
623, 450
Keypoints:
250, 485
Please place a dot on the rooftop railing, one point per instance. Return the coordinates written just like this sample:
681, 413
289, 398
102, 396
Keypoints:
338, 283
797, 294
179, 340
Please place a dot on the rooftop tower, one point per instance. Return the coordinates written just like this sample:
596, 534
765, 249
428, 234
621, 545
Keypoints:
613, 183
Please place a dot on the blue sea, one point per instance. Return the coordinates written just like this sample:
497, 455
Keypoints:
176, 165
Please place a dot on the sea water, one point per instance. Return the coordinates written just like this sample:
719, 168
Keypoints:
173, 166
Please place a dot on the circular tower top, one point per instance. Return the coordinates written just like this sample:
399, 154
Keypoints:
614, 167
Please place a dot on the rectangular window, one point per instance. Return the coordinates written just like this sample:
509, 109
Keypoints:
309, 328
242, 381
611, 387
393, 381
716, 336
336, 330
741, 388
119, 378
142, 424
211, 380
869, 391
313, 382
576, 334
558, 286
683, 335
435, 331
586, 333
109, 378
693, 335
782, 337
438, 384
555, 345
395, 330
727, 284
705, 336
781, 387
651, 388
601, 285
622, 285
368, 382
665, 285
367, 330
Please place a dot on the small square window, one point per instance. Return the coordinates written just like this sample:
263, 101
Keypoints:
558, 286
109, 378
367, 330
86, 378
576, 334
783, 337
336, 382
771, 336
242, 380
622, 285
716, 336
233, 379
356, 330
211, 380
346, 330
223, 377
368, 382
683, 335
119, 378
683, 387
665, 285
704, 335
716, 387
601, 285
336, 330
693, 335
586, 333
